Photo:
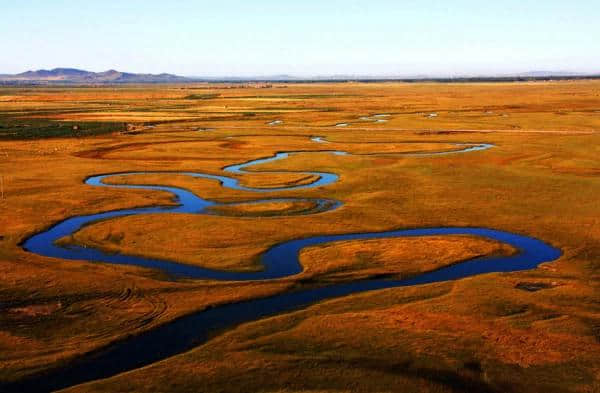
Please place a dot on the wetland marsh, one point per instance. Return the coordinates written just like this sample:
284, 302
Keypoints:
403, 230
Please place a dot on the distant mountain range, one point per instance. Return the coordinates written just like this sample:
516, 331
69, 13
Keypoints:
539, 74
75, 76
72, 75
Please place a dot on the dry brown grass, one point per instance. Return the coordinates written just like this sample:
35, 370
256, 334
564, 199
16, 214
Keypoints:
479, 334
403, 257
264, 209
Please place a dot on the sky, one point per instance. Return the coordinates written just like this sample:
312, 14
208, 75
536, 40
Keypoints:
301, 37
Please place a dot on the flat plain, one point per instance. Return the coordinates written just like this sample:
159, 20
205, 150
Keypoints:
530, 331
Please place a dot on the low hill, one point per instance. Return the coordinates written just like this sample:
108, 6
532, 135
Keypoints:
72, 75
76, 76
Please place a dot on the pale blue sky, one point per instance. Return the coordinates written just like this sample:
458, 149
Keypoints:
303, 37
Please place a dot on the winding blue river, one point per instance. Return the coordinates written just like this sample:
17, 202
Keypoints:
281, 260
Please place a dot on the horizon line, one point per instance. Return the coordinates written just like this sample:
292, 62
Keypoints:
387, 75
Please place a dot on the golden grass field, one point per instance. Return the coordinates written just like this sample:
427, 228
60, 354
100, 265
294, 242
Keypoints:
485, 333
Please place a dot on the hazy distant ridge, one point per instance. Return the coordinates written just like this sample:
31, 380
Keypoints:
76, 76
72, 75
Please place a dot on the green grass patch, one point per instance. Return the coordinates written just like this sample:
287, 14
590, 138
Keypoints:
208, 96
294, 96
18, 128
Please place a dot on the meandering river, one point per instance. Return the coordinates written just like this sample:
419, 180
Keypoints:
282, 260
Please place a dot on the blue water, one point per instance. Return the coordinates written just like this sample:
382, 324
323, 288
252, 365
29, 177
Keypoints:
44, 243
282, 260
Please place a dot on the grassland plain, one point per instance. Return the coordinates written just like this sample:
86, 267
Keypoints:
528, 331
